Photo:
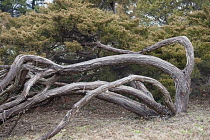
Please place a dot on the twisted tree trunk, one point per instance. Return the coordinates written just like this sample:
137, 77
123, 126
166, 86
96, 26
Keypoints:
29, 70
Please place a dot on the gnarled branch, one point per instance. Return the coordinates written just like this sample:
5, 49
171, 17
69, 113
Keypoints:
28, 70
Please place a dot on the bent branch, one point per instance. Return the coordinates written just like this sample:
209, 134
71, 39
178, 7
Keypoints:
105, 88
28, 70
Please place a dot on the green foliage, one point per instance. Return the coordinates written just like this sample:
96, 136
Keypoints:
196, 73
73, 46
159, 11
168, 82
107, 74
120, 6
14, 7
204, 67
65, 22
199, 32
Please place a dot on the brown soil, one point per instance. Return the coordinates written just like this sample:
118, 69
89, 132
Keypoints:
106, 121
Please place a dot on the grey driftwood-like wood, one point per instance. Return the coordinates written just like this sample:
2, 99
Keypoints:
29, 70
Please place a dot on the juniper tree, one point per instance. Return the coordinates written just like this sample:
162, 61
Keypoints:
62, 48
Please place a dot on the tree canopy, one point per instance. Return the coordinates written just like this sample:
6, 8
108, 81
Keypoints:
67, 22
159, 12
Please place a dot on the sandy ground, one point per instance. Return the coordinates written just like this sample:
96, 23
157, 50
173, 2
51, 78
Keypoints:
106, 121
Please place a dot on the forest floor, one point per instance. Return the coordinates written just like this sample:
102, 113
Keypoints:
100, 120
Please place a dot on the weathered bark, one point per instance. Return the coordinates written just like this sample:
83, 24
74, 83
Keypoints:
4, 66
103, 88
28, 70
14, 107
127, 103
136, 84
176, 74
109, 48
182, 91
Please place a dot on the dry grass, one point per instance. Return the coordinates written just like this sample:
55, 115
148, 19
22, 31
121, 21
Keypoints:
105, 121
